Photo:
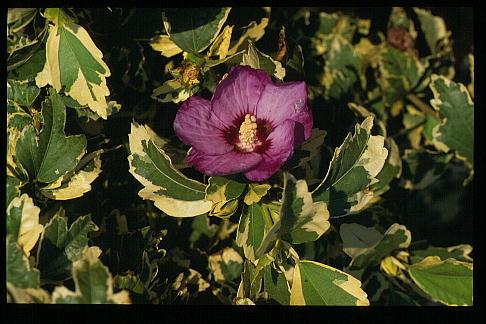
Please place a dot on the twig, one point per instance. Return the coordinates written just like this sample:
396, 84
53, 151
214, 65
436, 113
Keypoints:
426, 109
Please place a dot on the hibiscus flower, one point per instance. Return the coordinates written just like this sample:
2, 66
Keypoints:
251, 125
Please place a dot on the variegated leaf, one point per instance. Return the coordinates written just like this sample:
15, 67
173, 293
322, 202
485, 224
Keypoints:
172, 192
74, 64
319, 284
353, 169
23, 222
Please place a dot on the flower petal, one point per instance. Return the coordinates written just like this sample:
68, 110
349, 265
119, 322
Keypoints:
238, 93
280, 102
194, 126
280, 148
224, 164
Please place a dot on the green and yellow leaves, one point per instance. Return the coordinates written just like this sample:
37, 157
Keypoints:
224, 193
251, 230
276, 286
353, 169
225, 265
172, 192
74, 64
401, 74
258, 60
23, 222
165, 46
301, 220
75, 185
447, 281
194, 29
19, 272
256, 192
51, 154
435, 31
93, 283
318, 284
60, 246
367, 247
456, 110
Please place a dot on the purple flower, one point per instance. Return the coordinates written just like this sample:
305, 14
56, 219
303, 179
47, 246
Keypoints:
251, 125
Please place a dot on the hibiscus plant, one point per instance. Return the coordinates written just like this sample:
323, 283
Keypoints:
247, 156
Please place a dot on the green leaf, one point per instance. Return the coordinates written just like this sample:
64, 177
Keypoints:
19, 272
165, 46
172, 192
27, 295
223, 192
367, 247
456, 110
225, 265
256, 192
353, 169
251, 230
400, 74
13, 188
301, 220
254, 31
319, 284
32, 67
391, 169
423, 167
201, 227
194, 29
60, 246
22, 93
221, 44
93, 285
276, 286
434, 29
447, 281
75, 185
258, 60
172, 90
23, 222
51, 154
341, 69
459, 252
74, 64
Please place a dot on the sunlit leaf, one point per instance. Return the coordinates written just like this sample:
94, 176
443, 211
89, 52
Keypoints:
459, 252
447, 281
51, 154
193, 29
74, 64
319, 284
93, 285
223, 192
256, 192
456, 110
23, 222
19, 272
76, 185
367, 247
171, 191
353, 169
165, 46
221, 44
258, 60
251, 229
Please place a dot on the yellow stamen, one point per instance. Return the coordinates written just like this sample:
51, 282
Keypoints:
248, 133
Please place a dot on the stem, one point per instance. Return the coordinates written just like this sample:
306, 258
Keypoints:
426, 109
407, 130
266, 217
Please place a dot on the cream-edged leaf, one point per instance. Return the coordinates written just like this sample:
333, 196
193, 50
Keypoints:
171, 191
165, 46
456, 111
447, 281
93, 285
78, 184
353, 169
71, 50
319, 284
23, 222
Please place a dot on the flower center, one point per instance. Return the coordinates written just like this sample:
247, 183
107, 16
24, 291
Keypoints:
248, 134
